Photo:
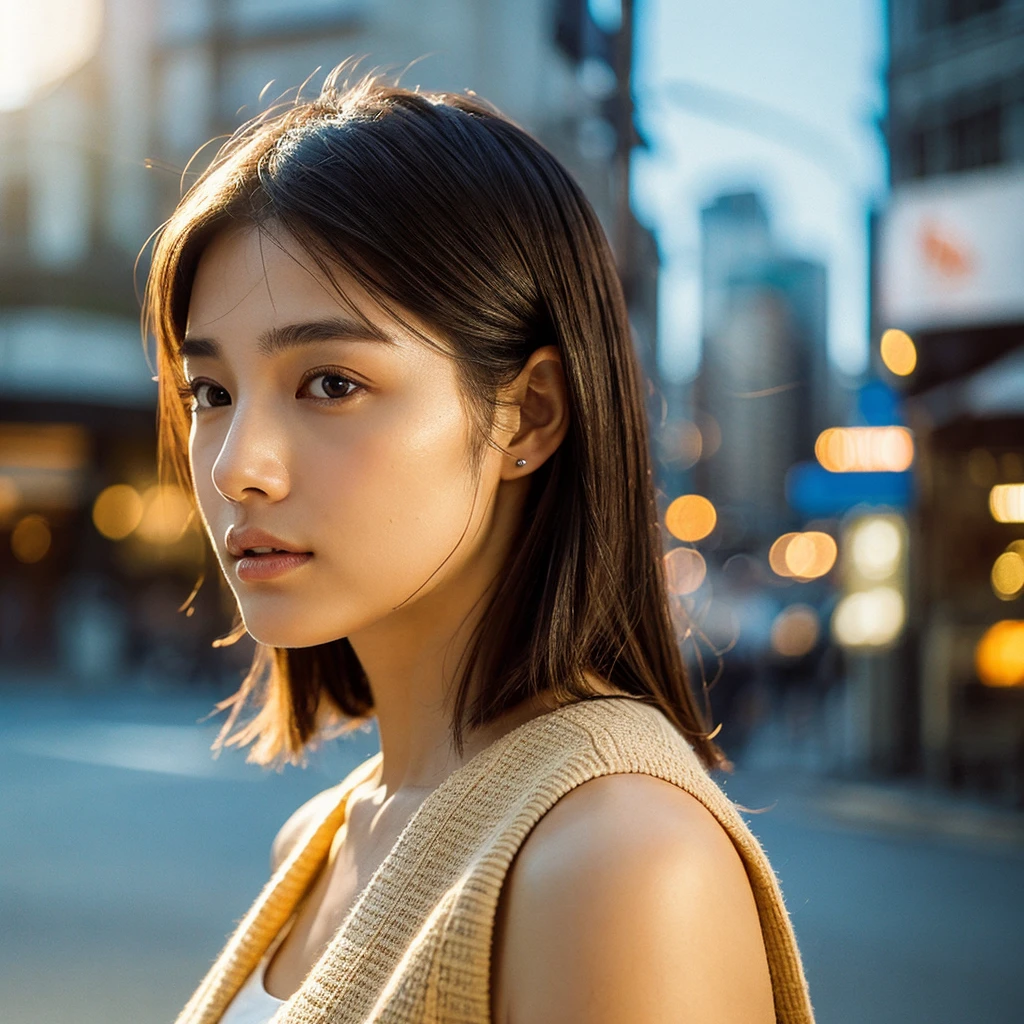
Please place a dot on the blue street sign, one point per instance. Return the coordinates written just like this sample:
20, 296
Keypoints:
878, 405
812, 490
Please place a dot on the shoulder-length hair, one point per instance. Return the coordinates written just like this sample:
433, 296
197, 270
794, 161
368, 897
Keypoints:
439, 205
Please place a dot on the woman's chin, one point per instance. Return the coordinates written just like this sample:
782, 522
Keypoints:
286, 634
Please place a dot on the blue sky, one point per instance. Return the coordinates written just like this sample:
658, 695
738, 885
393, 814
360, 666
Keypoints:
821, 64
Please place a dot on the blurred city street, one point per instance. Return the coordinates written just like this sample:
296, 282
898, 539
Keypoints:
127, 854
815, 213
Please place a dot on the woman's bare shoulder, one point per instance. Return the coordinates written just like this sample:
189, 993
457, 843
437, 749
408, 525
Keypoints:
299, 821
314, 809
629, 901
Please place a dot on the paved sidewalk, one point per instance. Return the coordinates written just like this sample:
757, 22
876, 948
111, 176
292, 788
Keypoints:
798, 771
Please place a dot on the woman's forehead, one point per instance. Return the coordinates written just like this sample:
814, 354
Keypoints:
257, 278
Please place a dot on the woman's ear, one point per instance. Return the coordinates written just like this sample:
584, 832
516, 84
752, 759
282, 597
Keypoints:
539, 399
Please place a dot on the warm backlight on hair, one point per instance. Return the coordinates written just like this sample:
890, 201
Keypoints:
117, 511
898, 353
803, 556
165, 514
1006, 503
42, 42
690, 518
999, 656
795, 631
685, 570
865, 449
30, 539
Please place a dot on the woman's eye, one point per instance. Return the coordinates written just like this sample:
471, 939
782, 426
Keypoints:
215, 395
328, 386
321, 386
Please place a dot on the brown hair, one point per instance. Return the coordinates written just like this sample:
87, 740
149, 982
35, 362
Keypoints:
439, 205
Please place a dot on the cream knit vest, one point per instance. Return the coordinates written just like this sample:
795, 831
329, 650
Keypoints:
415, 946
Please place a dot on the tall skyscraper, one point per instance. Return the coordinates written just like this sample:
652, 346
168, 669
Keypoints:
764, 382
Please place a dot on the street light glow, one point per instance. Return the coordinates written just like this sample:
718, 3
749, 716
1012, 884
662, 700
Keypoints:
30, 539
795, 631
117, 511
1006, 503
690, 517
1008, 575
865, 449
876, 547
999, 656
803, 556
898, 353
869, 618
166, 510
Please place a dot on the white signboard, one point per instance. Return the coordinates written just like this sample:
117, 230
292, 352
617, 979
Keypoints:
53, 354
951, 252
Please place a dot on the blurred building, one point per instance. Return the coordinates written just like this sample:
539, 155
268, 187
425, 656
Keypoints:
950, 274
764, 386
91, 166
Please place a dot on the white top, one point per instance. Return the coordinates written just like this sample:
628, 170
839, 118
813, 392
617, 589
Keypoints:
253, 1004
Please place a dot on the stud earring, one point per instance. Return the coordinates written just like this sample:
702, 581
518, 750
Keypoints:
520, 462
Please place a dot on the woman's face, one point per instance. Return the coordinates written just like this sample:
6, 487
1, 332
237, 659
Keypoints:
348, 445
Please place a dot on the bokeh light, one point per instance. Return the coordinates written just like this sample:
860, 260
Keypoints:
795, 631
685, 570
9, 498
165, 514
682, 444
30, 539
710, 432
1008, 575
810, 555
690, 517
865, 449
898, 352
1006, 503
117, 511
876, 547
777, 554
869, 618
999, 655
803, 556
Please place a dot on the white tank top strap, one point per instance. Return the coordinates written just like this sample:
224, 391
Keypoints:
253, 1004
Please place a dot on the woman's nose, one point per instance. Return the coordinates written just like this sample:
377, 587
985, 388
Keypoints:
251, 460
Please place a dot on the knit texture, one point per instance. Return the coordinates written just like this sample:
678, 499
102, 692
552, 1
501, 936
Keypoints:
415, 947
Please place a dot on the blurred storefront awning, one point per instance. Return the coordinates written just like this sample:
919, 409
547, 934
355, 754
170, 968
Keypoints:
54, 355
994, 392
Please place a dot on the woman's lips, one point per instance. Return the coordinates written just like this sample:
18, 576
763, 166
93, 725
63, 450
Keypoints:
252, 568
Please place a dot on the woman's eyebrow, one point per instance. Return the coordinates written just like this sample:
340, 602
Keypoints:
278, 339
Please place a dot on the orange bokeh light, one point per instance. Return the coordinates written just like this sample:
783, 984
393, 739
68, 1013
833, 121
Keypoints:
999, 656
865, 449
898, 352
803, 556
690, 517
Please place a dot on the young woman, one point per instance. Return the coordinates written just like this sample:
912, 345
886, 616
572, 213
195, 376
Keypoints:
396, 368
